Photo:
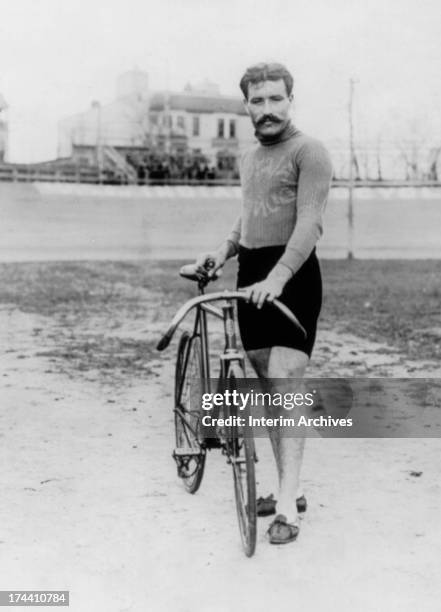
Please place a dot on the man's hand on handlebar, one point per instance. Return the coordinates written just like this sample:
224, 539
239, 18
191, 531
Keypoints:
271, 287
265, 291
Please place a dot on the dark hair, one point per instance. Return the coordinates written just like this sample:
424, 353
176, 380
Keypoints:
266, 72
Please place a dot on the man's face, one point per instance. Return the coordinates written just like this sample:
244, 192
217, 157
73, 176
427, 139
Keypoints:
268, 105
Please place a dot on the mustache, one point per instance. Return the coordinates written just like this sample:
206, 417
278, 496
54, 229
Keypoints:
272, 118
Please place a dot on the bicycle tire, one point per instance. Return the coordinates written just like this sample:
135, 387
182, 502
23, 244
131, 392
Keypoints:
188, 375
242, 454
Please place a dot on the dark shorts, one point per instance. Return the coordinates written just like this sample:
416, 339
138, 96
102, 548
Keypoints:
302, 294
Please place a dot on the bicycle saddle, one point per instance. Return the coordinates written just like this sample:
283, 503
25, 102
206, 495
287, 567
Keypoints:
192, 272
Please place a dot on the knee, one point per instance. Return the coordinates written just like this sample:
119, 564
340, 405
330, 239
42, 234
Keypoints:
286, 362
259, 359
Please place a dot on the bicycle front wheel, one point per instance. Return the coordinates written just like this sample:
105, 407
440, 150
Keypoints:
241, 453
189, 453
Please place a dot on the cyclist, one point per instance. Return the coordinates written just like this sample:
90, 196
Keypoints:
285, 182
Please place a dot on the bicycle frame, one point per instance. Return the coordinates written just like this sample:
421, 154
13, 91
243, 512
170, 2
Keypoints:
190, 451
200, 329
231, 352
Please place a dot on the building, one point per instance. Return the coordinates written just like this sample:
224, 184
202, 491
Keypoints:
200, 120
197, 121
103, 134
122, 123
3, 130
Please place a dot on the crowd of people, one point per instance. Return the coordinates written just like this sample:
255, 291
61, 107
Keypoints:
167, 167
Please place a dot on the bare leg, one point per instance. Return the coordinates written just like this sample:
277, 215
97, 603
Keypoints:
281, 363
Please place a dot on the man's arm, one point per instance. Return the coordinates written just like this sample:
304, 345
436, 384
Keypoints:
234, 236
314, 181
227, 249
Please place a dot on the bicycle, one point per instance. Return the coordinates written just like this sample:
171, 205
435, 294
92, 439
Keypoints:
192, 379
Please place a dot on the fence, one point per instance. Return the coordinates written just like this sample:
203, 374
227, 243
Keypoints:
11, 173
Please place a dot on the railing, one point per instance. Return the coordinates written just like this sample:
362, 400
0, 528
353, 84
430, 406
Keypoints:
13, 173
21, 174
386, 183
120, 163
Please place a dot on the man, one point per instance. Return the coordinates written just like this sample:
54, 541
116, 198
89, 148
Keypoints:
285, 183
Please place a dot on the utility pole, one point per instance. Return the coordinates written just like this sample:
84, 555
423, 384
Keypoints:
99, 139
351, 171
167, 109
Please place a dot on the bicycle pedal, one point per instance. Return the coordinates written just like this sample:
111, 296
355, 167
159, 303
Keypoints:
185, 452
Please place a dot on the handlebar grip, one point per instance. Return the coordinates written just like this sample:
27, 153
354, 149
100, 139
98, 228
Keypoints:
290, 315
165, 341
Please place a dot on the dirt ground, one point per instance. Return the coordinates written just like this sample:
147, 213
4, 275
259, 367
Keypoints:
91, 502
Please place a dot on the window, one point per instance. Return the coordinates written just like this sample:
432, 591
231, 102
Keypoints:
181, 122
232, 128
196, 126
220, 128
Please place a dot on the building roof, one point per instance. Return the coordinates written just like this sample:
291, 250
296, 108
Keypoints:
197, 103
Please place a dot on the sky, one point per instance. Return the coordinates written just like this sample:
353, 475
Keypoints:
57, 56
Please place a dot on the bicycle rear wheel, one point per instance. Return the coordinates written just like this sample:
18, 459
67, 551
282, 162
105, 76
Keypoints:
241, 453
189, 453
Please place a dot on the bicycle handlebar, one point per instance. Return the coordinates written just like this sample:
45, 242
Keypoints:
212, 297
